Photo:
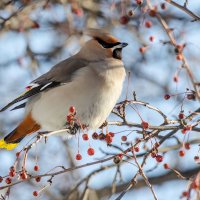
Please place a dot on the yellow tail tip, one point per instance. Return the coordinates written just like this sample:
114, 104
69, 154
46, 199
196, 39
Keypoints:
8, 146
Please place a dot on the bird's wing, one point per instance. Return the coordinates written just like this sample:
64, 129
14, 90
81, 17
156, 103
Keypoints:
58, 75
19, 106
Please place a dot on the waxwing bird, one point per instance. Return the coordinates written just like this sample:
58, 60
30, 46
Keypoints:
91, 81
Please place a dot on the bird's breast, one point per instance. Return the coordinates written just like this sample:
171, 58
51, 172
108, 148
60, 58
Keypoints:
92, 95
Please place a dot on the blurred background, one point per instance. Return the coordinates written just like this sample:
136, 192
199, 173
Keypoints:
35, 35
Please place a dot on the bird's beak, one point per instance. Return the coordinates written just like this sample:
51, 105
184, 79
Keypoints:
120, 45
123, 44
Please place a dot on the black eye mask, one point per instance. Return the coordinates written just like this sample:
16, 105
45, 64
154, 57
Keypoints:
107, 45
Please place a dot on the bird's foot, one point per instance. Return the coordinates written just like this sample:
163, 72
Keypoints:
104, 125
73, 128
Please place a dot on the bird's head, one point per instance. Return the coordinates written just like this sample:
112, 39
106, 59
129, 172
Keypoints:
102, 45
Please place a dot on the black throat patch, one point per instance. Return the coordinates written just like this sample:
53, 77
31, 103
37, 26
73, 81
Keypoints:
117, 53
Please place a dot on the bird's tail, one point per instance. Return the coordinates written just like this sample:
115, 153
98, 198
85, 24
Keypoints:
26, 127
5, 143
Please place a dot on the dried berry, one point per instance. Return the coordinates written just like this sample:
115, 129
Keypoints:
124, 19
95, 136
38, 179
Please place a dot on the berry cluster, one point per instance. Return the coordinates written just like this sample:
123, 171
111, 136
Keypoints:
106, 137
90, 152
71, 115
189, 94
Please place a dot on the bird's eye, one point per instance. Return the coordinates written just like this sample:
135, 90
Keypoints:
107, 45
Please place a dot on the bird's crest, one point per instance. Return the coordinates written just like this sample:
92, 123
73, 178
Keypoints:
101, 34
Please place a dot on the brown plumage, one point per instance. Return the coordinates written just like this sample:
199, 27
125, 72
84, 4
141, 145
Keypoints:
26, 127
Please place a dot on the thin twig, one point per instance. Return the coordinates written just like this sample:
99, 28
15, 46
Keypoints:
184, 9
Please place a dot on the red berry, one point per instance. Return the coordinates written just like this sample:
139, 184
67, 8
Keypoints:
108, 139
187, 146
85, 136
12, 173
111, 134
90, 151
77, 11
72, 109
196, 158
36, 167
95, 136
159, 158
151, 38
142, 49
188, 128
23, 175
145, 125
185, 194
8, 180
194, 185
120, 155
70, 118
163, 6
184, 130
139, 2
35, 193
108, 135
148, 24
136, 149
124, 138
124, 19
167, 96
17, 154
181, 115
37, 179
175, 78
166, 166
78, 156
181, 153
28, 87
153, 155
